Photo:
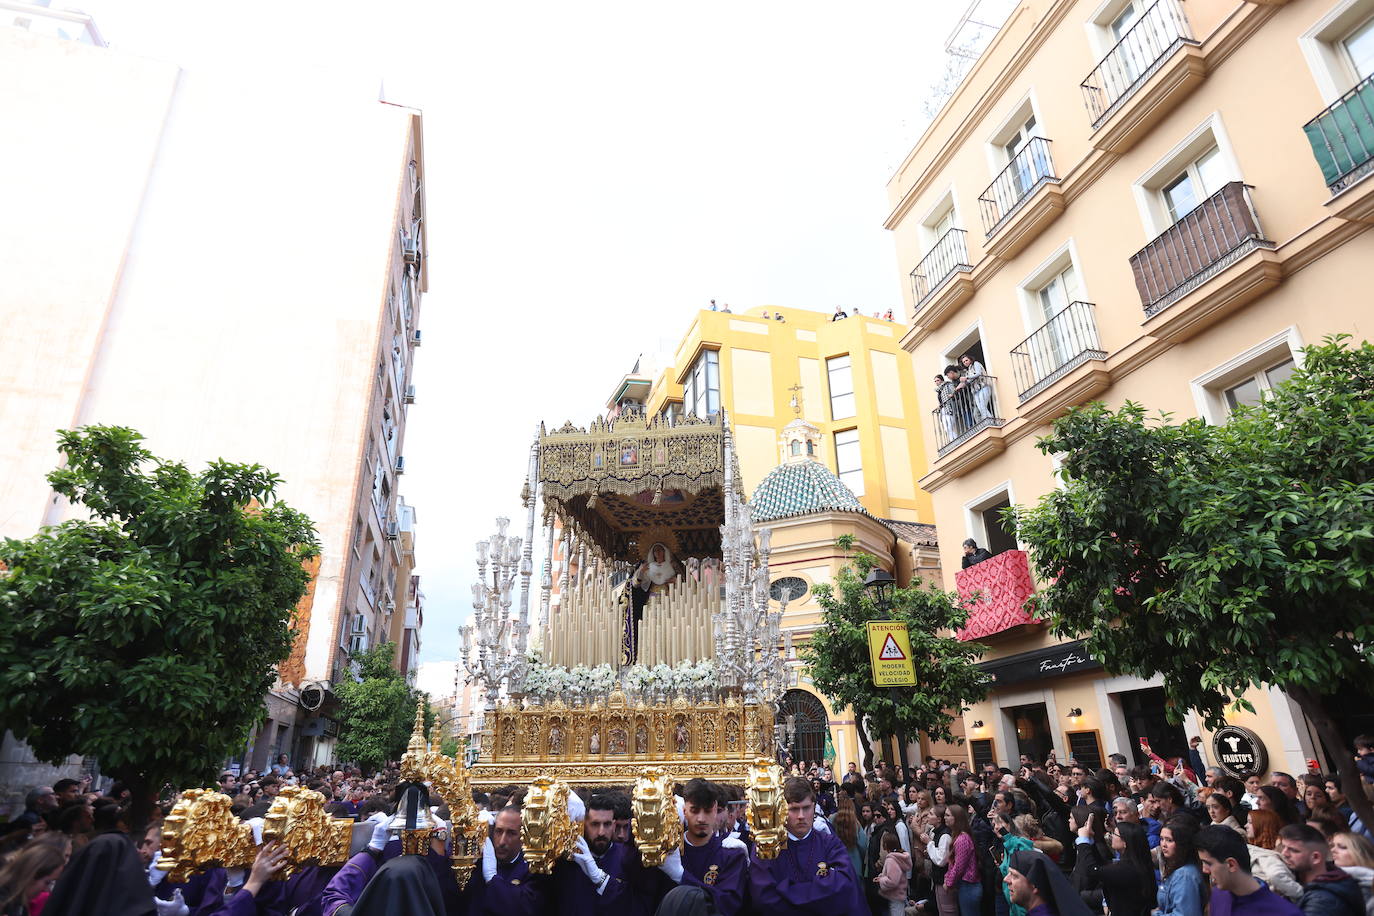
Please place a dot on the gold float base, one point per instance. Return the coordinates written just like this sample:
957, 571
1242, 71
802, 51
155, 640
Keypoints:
585, 773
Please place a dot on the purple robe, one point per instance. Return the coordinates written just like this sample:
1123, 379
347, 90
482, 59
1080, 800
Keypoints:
576, 896
513, 891
347, 885
723, 873
795, 882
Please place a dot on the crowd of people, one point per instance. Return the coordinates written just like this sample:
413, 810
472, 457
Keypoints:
1170, 837
964, 395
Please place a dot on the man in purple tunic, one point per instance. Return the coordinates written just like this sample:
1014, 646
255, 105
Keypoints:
717, 865
598, 879
507, 887
813, 874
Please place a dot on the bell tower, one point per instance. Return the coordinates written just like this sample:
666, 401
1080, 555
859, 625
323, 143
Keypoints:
800, 441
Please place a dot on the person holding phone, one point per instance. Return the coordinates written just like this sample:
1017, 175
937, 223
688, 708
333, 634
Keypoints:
1091, 853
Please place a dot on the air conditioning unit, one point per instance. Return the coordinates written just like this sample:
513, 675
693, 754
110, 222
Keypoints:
415, 338
411, 248
400, 465
393, 529
410, 394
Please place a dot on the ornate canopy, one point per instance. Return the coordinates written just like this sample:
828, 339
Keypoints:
618, 480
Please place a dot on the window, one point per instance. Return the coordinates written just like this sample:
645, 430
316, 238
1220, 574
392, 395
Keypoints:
795, 586
1203, 177
983, 519
849, 460
1358, 48
357, 637
1252, 389
841, 379
1056, 295
701, 393
1125, 19
1020, 137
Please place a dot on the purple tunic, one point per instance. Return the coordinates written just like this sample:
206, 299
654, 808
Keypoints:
576, 896
512, 892
723, 873
348, 884
795, 882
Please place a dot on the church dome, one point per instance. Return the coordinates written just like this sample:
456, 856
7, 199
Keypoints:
802, 488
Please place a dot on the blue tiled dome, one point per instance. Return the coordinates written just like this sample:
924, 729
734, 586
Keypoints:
801, 488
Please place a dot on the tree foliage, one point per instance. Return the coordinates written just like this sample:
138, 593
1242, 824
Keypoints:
1222, 557
377, 711
947, 674
148, 634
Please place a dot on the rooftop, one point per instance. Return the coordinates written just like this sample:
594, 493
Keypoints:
802, 488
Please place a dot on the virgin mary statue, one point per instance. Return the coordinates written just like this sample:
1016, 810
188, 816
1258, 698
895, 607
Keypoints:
652, 577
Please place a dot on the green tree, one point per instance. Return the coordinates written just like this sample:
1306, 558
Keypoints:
947, 675
377, 710
1223, 557
148, 634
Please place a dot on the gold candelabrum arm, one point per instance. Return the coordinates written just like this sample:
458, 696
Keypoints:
547, 833
656, 823
447, 778
767, 809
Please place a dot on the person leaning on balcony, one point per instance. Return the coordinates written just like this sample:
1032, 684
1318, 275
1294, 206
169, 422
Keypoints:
840, 314
973, 553
954, 403
975, 377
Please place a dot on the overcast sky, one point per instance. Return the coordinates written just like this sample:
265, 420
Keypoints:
596, 171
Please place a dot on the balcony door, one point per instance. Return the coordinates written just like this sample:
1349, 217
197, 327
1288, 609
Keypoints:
1359, 50
1024, 171
1053, 347
1203, 177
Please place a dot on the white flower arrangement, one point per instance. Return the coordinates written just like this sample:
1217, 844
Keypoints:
582, 681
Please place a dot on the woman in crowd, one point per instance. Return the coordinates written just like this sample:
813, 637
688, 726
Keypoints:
1031, 830
1219, 809
865, 812
846, 826
29, 875
1272, 799
937, 842
1128, 884
1262, 831
1091, 853
891, 879
961, 878
1184, 891
894, 817
1011, 840
1354, 855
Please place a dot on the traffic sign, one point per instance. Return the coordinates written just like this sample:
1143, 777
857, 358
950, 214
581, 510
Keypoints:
889, 654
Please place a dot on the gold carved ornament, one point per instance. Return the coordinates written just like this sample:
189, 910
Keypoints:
547, 833
297, 818
200, 833
657, 825
448, 778
767, 809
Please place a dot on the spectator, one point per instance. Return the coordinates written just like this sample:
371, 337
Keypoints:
1220, 812
894, 864
973, 553
1195, 755
1091, 853
954, 405
839, 314
29, 874
777, 316
68, 791
726, 308
1226, 862
1262, 830
713, 305
1251, 797
1170, 802
1289, 787
766, 316
846, 824
961, 878
1128, 884
887, 316
1326, 889
975, 378
1182, 893
1271, 798
37, 803
937, 842
1030, 828
281, 767
1364, 757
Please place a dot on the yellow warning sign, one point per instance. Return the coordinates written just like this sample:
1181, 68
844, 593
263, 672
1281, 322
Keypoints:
889, 654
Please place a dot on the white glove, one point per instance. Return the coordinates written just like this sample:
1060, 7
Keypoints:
380, 836
174, 907
155, 874
820, 824
488, 860
734, 842
672, 866
234, 877
681, 809
582, 855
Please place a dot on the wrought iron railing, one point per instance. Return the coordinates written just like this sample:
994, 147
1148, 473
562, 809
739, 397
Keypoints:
1065, 341
1027, 170
1218, 232
1342, 137
1133, 59
966, 407
947, 255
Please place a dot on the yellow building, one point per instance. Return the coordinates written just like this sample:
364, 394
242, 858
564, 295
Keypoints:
850, 378
1159, 202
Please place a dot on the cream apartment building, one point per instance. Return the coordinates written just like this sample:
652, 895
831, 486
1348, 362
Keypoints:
1156, 201
232, 265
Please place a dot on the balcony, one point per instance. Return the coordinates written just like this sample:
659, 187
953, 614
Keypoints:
995, 591
965, 412
1053, 352
1143, 77
1023, 199
1209, 263
941, 282
1342, 139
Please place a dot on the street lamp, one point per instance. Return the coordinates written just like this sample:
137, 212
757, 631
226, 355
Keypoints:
880, 584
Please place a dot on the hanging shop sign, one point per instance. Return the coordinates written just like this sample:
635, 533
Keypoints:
1239, 751
1065, 658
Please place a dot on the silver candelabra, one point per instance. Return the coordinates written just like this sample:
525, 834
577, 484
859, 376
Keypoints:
501, 640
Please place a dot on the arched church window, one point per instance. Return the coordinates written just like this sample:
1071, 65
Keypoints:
795, 586
796, 448
806, 722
